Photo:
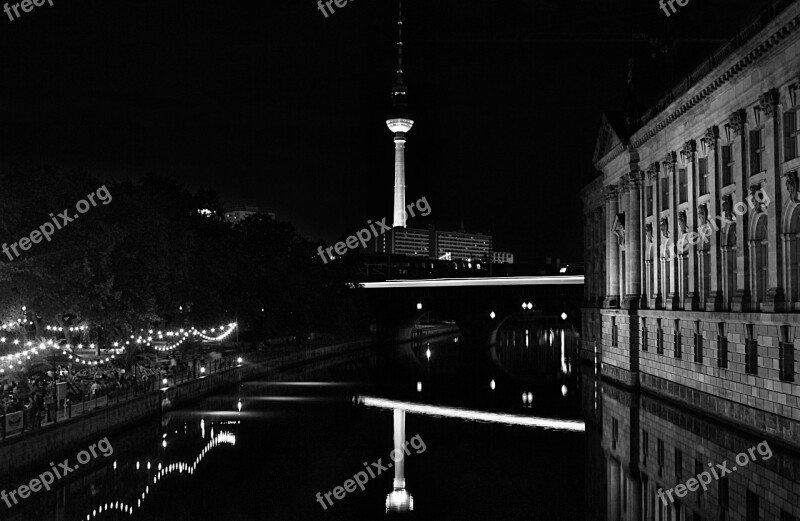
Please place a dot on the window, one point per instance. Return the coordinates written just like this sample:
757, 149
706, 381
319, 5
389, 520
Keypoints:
659, 338
722, 346
756, 152
752, 506
684, 185
660, 455
791, 135
645, 446
648, 201
727, 165
723, 491
751, 351
786, 354
613, 331
644, 334
698, 469
698, 343
678, 346
664, 193
678, 463
614, 433
702, 169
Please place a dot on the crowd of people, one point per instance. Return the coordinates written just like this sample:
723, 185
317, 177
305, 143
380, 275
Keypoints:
34, 393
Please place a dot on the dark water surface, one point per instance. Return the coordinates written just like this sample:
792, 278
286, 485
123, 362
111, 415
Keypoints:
293, 440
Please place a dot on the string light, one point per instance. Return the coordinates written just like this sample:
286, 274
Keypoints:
182, 335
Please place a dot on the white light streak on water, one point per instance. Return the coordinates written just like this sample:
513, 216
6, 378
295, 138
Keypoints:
473, 415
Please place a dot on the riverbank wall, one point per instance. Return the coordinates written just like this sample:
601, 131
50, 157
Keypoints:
16, 453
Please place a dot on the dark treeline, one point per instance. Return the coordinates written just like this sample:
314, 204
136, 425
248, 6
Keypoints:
147, 257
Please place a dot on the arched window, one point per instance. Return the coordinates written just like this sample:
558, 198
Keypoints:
758, 261
650, 268
704, 263
792, 238
729, 264
666, 266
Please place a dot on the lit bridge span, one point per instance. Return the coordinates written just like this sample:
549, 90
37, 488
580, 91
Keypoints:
478, 305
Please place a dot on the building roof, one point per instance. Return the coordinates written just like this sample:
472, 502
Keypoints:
714, 72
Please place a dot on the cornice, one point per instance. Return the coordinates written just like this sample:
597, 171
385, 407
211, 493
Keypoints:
731, 72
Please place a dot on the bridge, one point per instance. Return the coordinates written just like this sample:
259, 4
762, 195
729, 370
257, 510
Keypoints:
478, 305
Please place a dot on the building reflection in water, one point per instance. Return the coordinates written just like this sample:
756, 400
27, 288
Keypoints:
638, 444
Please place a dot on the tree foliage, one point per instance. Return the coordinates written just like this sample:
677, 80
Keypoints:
149, 258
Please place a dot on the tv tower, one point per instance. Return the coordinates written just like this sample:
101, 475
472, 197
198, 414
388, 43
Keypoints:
399, 123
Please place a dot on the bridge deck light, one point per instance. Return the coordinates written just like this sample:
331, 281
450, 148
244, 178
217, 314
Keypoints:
419, 305
563, 316
492, 315
492, 384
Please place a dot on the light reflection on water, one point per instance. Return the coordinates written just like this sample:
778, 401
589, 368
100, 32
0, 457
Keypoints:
438, 411
293, 441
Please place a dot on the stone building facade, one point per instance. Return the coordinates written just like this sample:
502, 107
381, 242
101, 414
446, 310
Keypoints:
692, 235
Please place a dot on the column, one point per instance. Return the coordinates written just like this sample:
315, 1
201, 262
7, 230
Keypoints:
613, 498
635, 495
715, 293
655, 296
588, 260
772, 109
612, 247
673, 298
633, 241
692, 298
600, 246
738, 124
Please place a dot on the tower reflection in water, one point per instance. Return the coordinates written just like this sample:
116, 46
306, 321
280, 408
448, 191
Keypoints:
638, 444
399, 500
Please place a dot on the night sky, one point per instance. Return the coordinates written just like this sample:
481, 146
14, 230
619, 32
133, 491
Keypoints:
271, 104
